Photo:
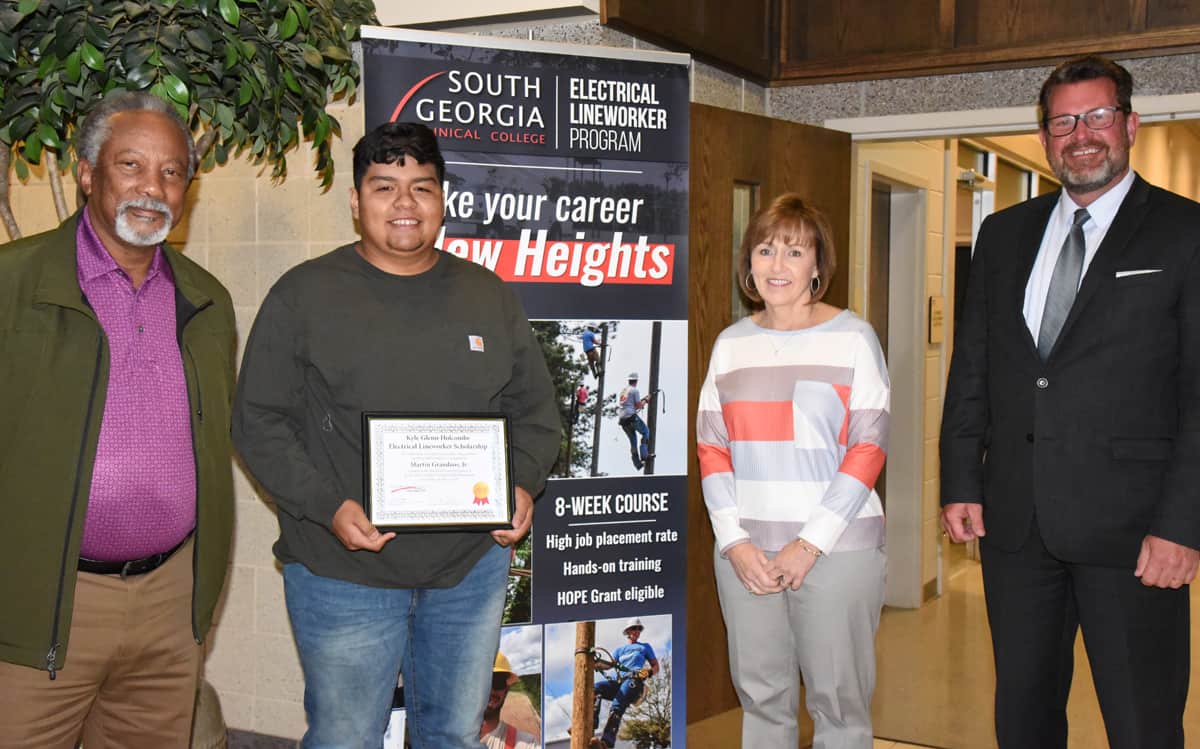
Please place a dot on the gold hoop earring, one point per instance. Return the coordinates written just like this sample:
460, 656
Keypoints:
750, 282
814, 286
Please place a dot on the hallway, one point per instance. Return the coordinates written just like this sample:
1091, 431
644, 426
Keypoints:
935, 680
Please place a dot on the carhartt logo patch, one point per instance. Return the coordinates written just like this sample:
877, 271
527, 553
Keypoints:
476, 342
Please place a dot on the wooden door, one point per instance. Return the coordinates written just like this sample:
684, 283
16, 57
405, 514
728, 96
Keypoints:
730, 148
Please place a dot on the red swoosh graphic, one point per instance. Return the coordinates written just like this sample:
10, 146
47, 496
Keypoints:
409, 95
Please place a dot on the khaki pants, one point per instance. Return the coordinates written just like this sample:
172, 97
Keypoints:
825, 630
129, 679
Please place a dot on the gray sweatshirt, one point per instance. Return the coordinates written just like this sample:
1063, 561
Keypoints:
337, 336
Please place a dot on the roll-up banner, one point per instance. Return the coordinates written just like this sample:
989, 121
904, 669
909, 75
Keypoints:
567, 176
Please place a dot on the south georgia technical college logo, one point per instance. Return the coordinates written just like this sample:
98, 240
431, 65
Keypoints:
464, 107
467, 105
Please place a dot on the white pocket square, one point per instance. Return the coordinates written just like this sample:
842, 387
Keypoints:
1139, 272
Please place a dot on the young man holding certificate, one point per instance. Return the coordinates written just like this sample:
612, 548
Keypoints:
390, 325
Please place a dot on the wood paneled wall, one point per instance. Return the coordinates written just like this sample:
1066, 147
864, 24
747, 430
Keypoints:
729, 147
848, 39
809, 41
739, 35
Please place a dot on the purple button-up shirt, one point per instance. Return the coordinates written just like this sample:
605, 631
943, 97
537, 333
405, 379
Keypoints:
143, 493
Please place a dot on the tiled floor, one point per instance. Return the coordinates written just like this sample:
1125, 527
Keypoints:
723, 732
935, 680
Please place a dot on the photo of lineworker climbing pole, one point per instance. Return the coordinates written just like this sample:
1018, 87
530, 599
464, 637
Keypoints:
608, 684
621, 387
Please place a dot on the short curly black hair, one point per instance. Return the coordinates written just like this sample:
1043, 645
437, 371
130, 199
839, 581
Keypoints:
391, 142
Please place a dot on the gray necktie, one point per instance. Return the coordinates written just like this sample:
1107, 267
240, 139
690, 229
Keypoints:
1064, 282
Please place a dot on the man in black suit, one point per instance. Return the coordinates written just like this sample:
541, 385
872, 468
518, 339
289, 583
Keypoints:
1071, 434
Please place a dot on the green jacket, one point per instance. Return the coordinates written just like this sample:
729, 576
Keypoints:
53, 375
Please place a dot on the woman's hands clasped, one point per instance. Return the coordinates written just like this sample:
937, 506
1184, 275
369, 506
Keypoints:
752, 567
763, 576
793, 563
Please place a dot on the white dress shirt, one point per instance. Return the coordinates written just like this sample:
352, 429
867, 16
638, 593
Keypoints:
1102, 211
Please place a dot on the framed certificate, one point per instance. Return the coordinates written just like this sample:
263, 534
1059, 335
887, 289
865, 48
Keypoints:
434, 472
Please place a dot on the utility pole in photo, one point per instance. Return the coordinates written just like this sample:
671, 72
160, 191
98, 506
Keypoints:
599, 399
583, 691
652, 406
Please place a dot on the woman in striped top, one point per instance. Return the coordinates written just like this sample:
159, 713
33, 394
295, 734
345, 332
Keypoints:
792, 434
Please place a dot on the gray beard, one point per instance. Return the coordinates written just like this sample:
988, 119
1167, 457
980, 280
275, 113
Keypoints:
131, 234
1090, 181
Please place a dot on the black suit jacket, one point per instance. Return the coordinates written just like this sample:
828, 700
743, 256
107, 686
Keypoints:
1103, 439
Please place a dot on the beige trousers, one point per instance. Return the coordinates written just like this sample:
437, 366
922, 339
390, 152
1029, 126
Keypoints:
129, 678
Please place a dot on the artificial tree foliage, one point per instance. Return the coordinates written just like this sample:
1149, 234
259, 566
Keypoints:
250, 77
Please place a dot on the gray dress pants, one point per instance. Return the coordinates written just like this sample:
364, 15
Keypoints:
825, 631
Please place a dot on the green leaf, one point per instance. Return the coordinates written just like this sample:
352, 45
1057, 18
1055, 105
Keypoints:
8, 48
231, 56
302, 13
48, 137
176, 67
68, 33
176, 89
312, 56
337, 53
133, 10
91, 56
170, 38
322, 131
97, 35
245, 93
290, 80
33, 150
141, 76
200, 41
25, 7
291, 22
230, 12
21, 168
224, 115
48, 64
135, 54
72, 67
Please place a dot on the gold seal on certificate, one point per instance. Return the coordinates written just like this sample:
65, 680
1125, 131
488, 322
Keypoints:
431, 472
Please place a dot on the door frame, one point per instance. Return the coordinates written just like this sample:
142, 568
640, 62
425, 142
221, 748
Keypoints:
729, 147
925, 125
907, 357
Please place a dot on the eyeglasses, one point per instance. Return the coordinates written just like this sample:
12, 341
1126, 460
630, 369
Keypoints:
1101, 118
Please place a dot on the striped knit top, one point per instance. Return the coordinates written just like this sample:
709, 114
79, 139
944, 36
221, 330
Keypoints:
792, 434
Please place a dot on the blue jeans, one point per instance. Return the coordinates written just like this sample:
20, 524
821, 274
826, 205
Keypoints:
353, 640
634, 426
623, 694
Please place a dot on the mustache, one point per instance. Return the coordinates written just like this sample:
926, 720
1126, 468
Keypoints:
149, 204
1087, 144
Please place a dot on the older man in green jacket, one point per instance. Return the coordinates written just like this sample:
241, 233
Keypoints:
116, 376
